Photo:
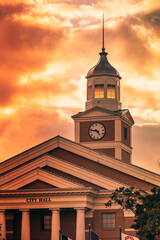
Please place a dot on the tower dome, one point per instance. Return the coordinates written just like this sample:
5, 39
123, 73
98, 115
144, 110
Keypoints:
103, 67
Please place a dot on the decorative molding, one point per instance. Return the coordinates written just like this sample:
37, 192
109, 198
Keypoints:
108, 144
27, 174
39, 174
83, 151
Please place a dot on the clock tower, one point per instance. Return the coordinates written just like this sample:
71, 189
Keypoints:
104, 125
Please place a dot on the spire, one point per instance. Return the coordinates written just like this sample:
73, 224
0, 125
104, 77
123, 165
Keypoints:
103, 49
103, 67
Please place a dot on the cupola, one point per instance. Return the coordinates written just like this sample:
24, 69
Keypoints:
103, 67
103, 84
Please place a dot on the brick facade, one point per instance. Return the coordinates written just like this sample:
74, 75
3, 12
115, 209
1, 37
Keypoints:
99, 168
126, 156
108, 151
127, 140
68, 224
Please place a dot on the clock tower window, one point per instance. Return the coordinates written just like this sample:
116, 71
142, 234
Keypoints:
99, 91
125, 133
111, 91
89, 93
118, 93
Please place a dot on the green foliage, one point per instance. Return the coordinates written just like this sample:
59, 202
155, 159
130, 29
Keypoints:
145, 206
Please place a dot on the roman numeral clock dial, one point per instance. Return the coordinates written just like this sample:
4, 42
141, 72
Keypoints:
97, 131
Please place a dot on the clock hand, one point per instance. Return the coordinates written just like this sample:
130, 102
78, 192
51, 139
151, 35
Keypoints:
95, 130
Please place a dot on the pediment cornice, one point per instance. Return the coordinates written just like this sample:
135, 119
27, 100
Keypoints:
29, 172
39, 174
76, 148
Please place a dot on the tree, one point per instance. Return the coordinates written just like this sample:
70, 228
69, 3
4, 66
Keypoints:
145, 206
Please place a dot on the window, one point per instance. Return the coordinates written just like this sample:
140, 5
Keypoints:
118, 93
47, 219
108, 221
125, 133
89, 93
99, 91
111, 91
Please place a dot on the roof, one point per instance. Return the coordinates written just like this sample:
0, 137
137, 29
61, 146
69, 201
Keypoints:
123, 113
103, 67
25, 166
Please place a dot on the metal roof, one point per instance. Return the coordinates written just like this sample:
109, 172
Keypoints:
103, 67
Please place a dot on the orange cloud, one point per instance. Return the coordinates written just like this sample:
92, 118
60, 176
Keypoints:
30, 126
47, 48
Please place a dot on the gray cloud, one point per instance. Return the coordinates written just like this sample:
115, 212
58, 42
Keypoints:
7, 10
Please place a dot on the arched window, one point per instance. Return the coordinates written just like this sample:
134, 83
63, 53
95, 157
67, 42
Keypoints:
99, 91
111, 91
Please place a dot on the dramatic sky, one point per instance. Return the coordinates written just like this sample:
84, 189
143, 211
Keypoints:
46, 50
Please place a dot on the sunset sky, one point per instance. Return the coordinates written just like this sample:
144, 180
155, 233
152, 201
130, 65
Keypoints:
48, 46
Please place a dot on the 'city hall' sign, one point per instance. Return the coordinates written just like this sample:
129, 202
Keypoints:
37, 200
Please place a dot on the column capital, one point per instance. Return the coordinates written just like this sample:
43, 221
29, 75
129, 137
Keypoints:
24, 209
80, 208
55, 209
2, 210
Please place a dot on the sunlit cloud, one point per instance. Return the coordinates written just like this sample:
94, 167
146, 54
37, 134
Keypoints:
49, 46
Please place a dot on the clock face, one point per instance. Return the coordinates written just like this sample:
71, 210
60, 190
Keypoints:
97, 131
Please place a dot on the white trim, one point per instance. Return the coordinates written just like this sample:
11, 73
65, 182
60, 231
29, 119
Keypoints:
39, 174
102, 114
130, 230
40, 162
118, 130
77, 131
29, 154
112, 162
71, 146
62, 165
118, 153
108, 144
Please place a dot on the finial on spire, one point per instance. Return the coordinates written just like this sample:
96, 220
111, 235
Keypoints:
103, 49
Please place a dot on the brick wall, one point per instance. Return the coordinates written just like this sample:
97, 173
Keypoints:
99, 168
108, 151
126, 156
37, 185
73, 178
128, 140
108, 234
68, 223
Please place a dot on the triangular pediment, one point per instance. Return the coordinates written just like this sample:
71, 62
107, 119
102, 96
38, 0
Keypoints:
127, 116
38, 157
38, 184
96, 112
18, 180
29, 178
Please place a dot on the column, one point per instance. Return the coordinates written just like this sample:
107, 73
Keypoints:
118, 153
2, 224
55, 227
118, 131
25, 225
80, 224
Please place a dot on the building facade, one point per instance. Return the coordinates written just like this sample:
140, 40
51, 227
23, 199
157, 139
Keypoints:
63, 184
